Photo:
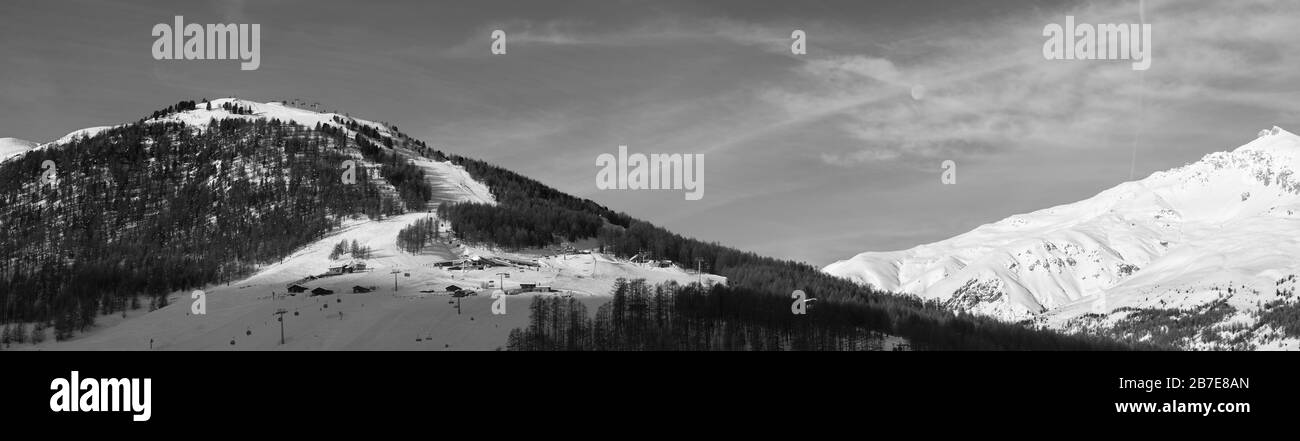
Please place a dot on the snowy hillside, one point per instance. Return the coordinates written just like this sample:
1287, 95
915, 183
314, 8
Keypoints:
226, 163
450, 182
419, 315
1220, 231
10, 147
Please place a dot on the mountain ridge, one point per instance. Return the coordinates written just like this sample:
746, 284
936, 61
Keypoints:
1227, 216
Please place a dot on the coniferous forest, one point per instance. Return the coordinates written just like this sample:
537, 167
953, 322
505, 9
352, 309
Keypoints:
146, 209
671, 317
765, 282
416, 236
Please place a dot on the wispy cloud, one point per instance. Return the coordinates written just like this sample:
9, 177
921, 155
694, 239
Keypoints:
990, 90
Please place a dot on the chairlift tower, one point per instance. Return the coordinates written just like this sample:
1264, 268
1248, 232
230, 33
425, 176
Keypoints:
503, 276
280, 312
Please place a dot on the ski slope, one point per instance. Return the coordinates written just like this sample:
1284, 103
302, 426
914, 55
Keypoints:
404, 318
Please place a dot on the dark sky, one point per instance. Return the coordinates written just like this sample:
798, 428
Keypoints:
813, 157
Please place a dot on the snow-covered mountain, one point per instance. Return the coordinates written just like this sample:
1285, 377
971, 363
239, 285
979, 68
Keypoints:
1224, 230
194, 180
195, 193
10, 147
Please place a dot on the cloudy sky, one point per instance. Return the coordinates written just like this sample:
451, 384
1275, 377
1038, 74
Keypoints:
814, 157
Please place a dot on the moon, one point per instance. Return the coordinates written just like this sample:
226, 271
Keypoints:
918, 92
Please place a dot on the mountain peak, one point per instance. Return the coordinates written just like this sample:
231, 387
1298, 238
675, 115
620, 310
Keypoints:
205, 112
1274, 140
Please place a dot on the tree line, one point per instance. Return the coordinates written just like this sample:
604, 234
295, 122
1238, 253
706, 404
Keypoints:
419, 234
673, 317
354, 249
519, 225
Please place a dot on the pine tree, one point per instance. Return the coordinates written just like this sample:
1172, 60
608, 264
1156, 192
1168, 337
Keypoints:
19, 334
38, 333
339, 249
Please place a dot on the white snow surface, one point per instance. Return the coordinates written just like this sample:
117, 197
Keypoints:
1176, 239
11, 147
398, 319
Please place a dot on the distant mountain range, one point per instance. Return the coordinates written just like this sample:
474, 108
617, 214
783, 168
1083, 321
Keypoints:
1217, 239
